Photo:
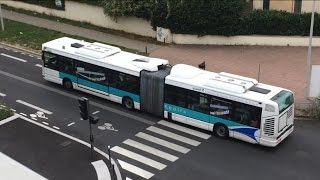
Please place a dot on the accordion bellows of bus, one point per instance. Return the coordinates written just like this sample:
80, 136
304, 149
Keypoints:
228, 105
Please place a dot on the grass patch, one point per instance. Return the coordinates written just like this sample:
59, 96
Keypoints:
85, 25
32, 37
5, 112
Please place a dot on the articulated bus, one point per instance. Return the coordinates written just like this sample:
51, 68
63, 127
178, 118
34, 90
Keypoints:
226, 104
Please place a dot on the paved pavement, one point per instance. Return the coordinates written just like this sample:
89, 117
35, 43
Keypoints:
280, 66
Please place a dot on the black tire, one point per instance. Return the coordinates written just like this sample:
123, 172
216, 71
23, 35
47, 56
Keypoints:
67, 84
221, 131
127, 103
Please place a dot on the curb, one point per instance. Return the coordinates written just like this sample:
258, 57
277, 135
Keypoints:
20, 49
11, 118
301, 118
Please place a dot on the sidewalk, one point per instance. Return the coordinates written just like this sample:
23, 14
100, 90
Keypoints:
279, 66
79, 31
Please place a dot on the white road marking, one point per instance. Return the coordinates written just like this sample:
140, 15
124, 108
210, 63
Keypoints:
56, 127
184, 129
3, 106
3, 95
138, 157
57, 91
45, 123
33, 106
15, 51
7, 48
23, 53
11, 169
38, 65
34, 119
135, 170
12, 57
128, 178
151, 150
15, 116
71, 124
77, 140
30, 55
13, 110
96, 112
23, 114
163, 142
102, 170
173, 136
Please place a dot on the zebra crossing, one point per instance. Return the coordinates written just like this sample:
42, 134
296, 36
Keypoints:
154, 149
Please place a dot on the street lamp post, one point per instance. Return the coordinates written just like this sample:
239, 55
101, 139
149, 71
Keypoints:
308, 75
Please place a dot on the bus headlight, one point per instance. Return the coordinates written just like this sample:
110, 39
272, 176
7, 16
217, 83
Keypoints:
270, 108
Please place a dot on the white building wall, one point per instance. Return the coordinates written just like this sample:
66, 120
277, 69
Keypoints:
91, 14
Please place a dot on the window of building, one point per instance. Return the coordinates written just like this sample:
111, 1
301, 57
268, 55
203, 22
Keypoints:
297, 6
266, 4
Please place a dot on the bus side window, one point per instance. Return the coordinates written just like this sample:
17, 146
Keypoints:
66, 65
221, 108
50, 60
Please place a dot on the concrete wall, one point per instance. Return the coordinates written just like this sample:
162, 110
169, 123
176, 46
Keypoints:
91, 14
245, 40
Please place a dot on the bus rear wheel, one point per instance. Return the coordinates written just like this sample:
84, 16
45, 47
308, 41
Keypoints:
127, 102
221, 130
67, 84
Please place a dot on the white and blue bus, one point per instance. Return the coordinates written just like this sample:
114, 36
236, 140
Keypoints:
226, 104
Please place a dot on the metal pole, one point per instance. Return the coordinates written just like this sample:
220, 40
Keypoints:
2, 25
259, 74
308, 75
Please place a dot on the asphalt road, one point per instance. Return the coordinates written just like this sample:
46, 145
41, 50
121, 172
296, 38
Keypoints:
199, 156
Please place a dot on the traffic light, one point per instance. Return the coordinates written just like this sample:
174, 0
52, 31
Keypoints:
83, 106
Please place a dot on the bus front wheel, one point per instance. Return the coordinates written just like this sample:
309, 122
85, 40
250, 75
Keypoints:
221, 130
67, 84
128, 103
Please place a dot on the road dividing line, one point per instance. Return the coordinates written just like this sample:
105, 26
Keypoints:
118, 174
38, 65
96, 112
138, 157
3, 95
45, 123
135, 170
162, 142
33, 106
71, 124
102, 170
56, 127
150, 150
184, 129
34, 119
173, 136
23, 114
12, 57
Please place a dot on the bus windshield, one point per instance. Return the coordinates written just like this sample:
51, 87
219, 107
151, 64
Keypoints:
284, 99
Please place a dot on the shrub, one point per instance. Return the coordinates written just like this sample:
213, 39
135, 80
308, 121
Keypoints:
5, 112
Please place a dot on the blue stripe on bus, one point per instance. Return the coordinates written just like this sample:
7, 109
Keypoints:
99, 87
234, 126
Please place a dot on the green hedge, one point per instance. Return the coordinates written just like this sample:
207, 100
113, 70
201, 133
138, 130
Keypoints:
213, 17
5, 113
45, 3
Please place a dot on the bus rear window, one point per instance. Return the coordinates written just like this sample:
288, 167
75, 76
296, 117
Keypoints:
284, 99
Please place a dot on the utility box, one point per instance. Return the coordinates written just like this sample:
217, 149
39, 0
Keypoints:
315, 81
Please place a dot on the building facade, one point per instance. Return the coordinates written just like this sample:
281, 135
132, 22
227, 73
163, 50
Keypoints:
293, 6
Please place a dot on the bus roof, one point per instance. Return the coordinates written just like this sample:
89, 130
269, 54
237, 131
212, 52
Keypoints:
103, 55
220, 84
